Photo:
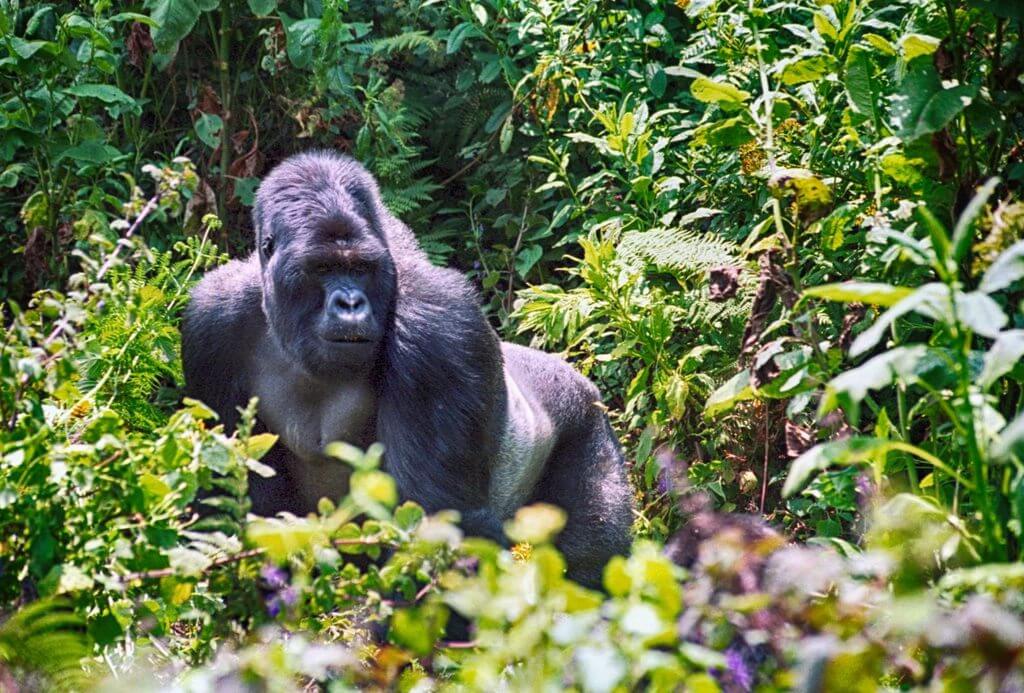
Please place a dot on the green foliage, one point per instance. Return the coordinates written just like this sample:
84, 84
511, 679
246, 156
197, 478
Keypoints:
785, 240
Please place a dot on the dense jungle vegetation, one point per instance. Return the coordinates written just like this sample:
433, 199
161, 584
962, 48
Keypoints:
786, 239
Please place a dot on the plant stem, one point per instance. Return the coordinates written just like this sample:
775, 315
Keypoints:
223, 54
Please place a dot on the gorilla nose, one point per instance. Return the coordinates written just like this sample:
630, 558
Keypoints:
349, 305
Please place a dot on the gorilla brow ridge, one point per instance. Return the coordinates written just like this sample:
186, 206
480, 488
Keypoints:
323, 173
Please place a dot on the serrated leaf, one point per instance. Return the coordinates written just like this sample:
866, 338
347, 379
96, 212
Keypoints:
876, 294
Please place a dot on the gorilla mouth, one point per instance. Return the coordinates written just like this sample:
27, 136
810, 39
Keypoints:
349, 339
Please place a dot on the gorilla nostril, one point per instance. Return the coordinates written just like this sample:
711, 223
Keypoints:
349, 303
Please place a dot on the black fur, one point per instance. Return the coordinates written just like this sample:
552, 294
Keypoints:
435, 371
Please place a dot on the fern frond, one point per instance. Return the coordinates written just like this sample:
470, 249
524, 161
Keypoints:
680, 251
407, 42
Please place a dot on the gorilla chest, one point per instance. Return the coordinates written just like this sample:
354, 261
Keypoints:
307, 418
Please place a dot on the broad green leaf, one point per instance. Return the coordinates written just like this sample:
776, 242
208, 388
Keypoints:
855, 450
301, 36
281, 539
914, 45
811, 194
527, 258
208, 128
880, 43
809, 69
175, 20
92, 152
861, 292
262, 8
733, 391
1005, 353
873, 374
962, 234
259, 444
825, 27
721, 93
979, 312
107, 93
731, 132
930, 300
861, 88
923, 105
1008, 268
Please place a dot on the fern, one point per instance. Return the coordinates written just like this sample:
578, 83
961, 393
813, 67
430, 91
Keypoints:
408, 42
683, 252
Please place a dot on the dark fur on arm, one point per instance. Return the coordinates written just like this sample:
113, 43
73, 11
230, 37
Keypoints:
442, 389
222, 311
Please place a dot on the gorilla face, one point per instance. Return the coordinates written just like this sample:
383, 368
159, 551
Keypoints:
328, 279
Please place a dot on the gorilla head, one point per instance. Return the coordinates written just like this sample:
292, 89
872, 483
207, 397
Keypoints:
328, 276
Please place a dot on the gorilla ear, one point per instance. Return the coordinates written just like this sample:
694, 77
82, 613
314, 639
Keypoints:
267, 246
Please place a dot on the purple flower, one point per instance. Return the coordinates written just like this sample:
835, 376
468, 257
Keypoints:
275, 577
738, 668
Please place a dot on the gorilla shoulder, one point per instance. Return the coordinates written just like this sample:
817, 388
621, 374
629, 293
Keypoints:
221, 322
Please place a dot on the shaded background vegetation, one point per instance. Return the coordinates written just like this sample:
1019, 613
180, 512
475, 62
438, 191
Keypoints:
784, 239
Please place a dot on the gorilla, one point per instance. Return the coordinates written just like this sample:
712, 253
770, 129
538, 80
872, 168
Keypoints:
344, 330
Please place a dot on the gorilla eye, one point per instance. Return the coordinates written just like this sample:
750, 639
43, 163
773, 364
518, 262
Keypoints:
267, 247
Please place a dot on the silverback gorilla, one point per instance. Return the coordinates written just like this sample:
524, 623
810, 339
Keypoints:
345, 331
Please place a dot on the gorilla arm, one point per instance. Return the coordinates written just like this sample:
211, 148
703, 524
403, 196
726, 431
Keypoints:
222, 319
443, 400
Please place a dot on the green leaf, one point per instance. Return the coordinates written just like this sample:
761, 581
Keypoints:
923, 105
175, 19
1008, 268
208, 128
1005, 353
873, 374
262, 8
721, 93
861, 88
281, 539
825, 27
979, 312
731, 132
930, 300
861, 292
733, 391
259, 444
92, 152
527, 258
914, 45
880, 43
535, 524
962, 234
810, 69
656, 79
107, 93
301, 36
854, 450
